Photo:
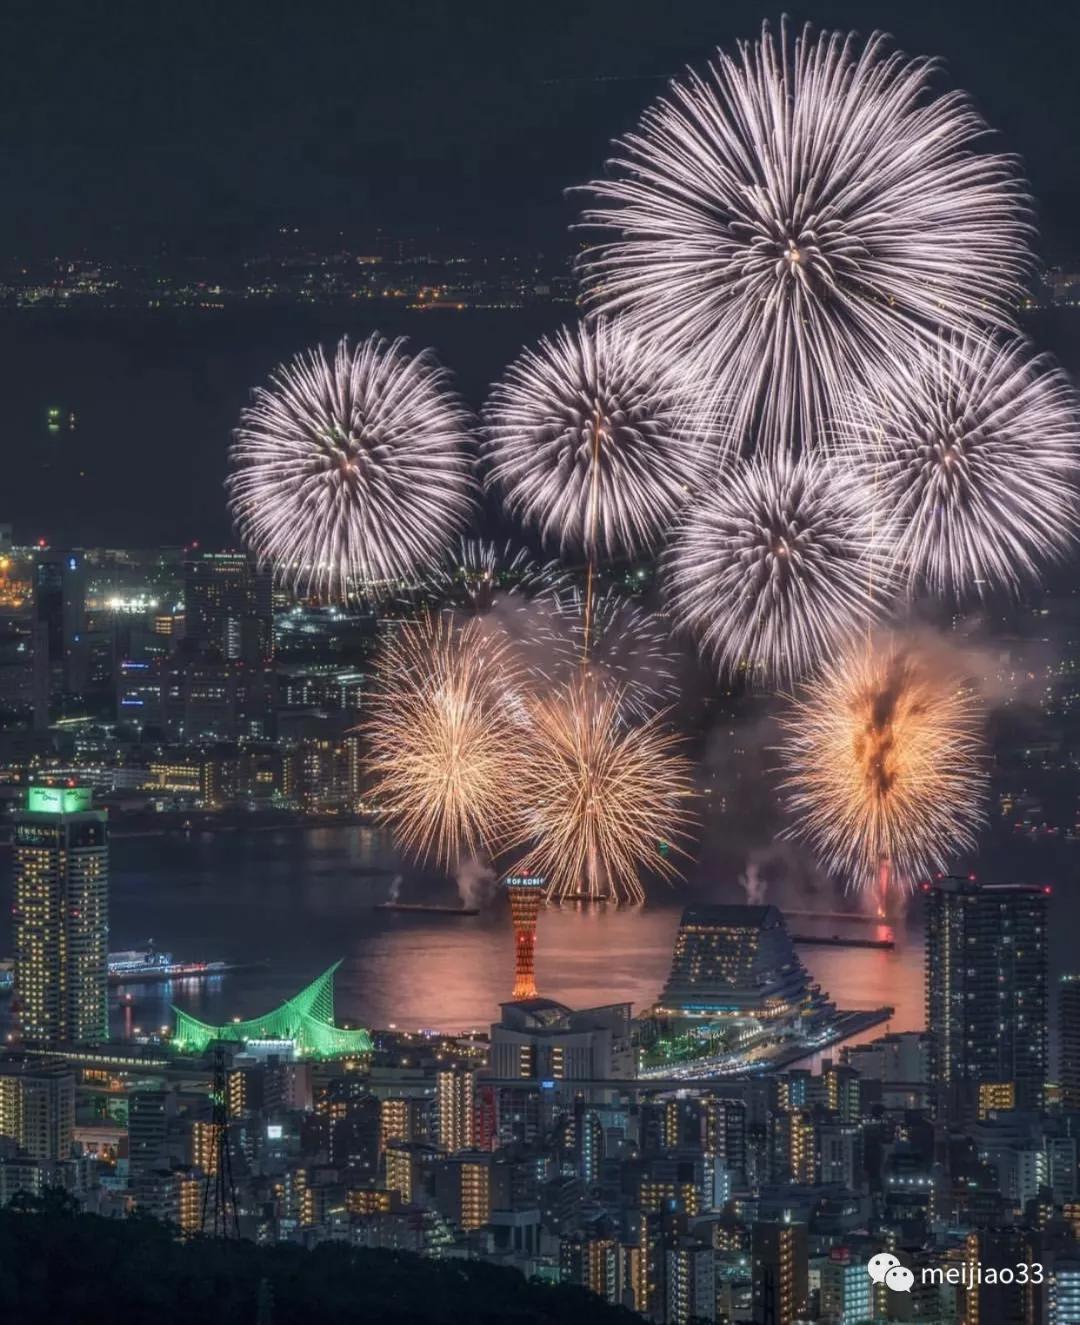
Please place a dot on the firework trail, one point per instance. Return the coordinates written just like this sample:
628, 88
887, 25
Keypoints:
883, 758
350, 473
805, 209
973, 445
444, 737
601, 800
775, 567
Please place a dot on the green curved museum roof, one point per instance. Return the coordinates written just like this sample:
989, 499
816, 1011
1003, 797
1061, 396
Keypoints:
306, 1019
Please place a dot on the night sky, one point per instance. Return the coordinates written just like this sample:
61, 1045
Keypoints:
131, 130
124, 123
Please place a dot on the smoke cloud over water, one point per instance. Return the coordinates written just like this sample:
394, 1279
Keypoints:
752, 884
475, 882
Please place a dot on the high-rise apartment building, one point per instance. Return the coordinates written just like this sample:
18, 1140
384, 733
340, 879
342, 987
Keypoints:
455, 1091
690, 1278
60, 609
148, 1127
986, 993
779, 1272
405, 1165
37, 1105
1069, 1040
596, 1263
1064, 1291
61, 916
395, 1121
228, 606
475, 1181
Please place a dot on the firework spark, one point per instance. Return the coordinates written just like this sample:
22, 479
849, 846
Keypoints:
350, 473
481, 571
583, 439
609, 632
774, 568
974, 448
882, 756
443, 738
602, 800
806, 208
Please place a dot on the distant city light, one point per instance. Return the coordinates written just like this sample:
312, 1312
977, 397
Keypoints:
136, 604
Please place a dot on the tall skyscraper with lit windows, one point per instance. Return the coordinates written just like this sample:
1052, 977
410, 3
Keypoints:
455, 1093
228, 606
60, 612
61, 916
986, 994
1069, 1040
779, 1272
37, 1105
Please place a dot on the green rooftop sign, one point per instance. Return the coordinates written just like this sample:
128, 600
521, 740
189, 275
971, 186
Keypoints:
58, 800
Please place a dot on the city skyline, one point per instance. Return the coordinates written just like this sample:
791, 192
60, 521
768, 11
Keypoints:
540, 665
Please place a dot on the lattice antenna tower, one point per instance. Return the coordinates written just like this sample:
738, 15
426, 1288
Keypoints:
220, 1217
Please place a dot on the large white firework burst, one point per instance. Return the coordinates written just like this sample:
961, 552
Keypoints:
806, 207
973, 445
589, 441
774, 568
350, 473
884, 764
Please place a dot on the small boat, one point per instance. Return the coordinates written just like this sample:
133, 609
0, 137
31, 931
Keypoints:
142, 964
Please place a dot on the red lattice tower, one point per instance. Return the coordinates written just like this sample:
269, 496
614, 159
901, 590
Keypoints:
526, 892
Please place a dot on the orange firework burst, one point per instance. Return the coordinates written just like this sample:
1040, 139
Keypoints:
884, 767
602, 799
444, 736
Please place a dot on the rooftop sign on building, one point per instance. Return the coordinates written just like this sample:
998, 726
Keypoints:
58, 800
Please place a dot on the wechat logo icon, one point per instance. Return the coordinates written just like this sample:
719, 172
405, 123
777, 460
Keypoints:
885, 1268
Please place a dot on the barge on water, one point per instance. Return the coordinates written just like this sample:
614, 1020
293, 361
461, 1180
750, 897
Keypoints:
426, 909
